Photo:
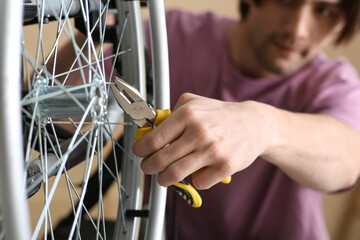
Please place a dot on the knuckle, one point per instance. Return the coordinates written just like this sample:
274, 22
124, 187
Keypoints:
154, 142
199, 182
160, 138
215, 151
226, 168
160, 162
176, 173
185, 97
201, 131
189, 113
224, 164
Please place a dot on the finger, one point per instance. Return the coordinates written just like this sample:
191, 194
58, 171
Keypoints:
207, 177
166, 156
169, 130
180, 169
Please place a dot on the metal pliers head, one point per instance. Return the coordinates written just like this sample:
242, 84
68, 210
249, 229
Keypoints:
133, 103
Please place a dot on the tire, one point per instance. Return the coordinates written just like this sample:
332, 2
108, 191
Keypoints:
69, 123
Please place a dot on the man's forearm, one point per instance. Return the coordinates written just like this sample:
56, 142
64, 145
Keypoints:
316, 150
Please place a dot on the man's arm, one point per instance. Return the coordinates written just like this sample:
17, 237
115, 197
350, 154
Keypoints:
317, 151
213, 139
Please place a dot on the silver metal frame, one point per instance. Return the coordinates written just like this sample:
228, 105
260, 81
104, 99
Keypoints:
13, 203
160, 60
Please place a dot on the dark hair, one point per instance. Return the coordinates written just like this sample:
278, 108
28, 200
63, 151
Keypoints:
351, 9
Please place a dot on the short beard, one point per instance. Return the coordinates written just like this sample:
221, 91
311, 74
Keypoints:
270, 65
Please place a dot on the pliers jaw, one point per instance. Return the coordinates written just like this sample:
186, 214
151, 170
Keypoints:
133, 103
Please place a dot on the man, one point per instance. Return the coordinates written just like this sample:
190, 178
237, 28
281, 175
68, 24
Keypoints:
266, 107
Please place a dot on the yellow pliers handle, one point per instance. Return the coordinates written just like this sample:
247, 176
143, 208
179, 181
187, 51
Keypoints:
161, 115
183, 188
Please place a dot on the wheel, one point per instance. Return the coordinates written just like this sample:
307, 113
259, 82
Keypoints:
75, 144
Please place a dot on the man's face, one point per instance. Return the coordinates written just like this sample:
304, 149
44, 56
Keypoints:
285, 34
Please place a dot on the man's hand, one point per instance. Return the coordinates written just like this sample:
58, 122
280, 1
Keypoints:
209, 139
212, 140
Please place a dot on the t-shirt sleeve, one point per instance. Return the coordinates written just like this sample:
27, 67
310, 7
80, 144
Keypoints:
339, 94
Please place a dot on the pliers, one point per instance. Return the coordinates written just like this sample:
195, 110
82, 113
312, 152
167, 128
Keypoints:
146, 118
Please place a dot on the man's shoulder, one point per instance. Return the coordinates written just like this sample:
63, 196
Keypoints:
196, 22
337, 68
184, 15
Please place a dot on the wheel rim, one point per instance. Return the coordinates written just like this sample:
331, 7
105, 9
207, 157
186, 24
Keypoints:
47, 112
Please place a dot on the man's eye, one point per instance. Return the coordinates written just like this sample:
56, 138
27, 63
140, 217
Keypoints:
330, 12
324, 11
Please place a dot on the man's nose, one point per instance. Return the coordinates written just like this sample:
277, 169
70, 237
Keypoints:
300, 22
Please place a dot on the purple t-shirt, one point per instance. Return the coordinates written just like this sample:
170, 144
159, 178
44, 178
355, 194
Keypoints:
261, 202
